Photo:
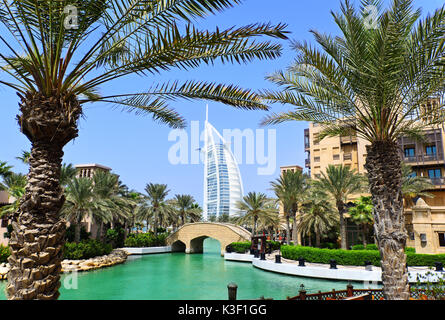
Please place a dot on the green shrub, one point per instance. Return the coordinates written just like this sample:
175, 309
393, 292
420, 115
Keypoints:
85, 249
4, 253
410, 250
371, 246
358, 247
355, 257
145, 240
343, 257
241, 247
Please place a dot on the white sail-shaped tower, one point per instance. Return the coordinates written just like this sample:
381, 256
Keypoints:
223, 186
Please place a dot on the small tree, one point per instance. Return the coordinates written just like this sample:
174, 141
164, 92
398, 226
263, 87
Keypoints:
361, 214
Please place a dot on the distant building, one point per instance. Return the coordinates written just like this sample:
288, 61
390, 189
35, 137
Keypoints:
223, 187
88, 170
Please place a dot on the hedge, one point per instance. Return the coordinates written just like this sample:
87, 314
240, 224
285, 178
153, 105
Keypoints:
354, 257
145, 240
85, 249
4, 253
243, 247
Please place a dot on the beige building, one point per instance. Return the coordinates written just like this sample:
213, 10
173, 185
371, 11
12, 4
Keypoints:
426, 159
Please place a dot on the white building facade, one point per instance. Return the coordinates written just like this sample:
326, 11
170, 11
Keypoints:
223, 186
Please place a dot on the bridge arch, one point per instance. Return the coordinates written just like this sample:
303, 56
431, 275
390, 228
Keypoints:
190, 237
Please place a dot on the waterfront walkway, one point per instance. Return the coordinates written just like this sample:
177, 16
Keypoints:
323, 271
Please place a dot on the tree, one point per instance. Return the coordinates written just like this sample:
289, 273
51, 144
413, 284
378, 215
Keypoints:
361, 214
290, 189
340, 182
371, 81
67, 172
155, 208
255, 207
81, 203
186, 208
318, 216
5, 171
56, 62
14, 184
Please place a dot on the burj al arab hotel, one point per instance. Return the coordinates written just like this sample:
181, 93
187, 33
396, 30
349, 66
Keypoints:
223, 187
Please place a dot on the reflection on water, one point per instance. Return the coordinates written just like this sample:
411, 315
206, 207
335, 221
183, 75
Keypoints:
179, 276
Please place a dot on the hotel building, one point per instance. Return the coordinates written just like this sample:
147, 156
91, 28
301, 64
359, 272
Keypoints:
425, 222
223, 186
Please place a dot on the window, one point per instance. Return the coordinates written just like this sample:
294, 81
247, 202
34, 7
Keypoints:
434, 173
316, 159
430, 150
336, 157
410, 152
412, 175
441, 239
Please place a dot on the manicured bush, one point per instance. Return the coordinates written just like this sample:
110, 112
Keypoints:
85, 249
410, 250
4, 253
241, 247
371, 246
355, 257
358, 247
343, 257
145, 240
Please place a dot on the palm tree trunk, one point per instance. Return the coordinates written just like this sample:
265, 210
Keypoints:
340, 208
383, 164
317, 240
294, 229
287, 229
364, 235
38, 233
77, 229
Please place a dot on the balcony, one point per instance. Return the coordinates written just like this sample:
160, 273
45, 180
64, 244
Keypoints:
348, 139
437, 181
422, 158
307, 145
307, 163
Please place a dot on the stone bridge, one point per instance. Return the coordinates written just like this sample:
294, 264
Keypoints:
189, 238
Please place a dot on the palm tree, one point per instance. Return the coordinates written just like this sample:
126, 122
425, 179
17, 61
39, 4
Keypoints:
67, 172
81, 203
24, 157
290, 189
155, 207
371, 80
14, 184
5, 171
186, 209
414, 186
340, 182
361, 214
253, 208
318, 216
56, 62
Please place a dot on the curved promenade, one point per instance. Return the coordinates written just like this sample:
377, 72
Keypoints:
323, 271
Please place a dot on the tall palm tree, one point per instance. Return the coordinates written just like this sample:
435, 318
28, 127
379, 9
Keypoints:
340, 182
254, 207
155, 207
371, 80
186, 208
290, 189
81, 203
56, 58
361, 214
318, 216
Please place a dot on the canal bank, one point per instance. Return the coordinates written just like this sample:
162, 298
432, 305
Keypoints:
180, 276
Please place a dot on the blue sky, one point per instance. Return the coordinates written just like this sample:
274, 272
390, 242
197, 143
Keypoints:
137, 148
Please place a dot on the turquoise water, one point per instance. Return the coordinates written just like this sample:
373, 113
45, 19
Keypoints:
179, 276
